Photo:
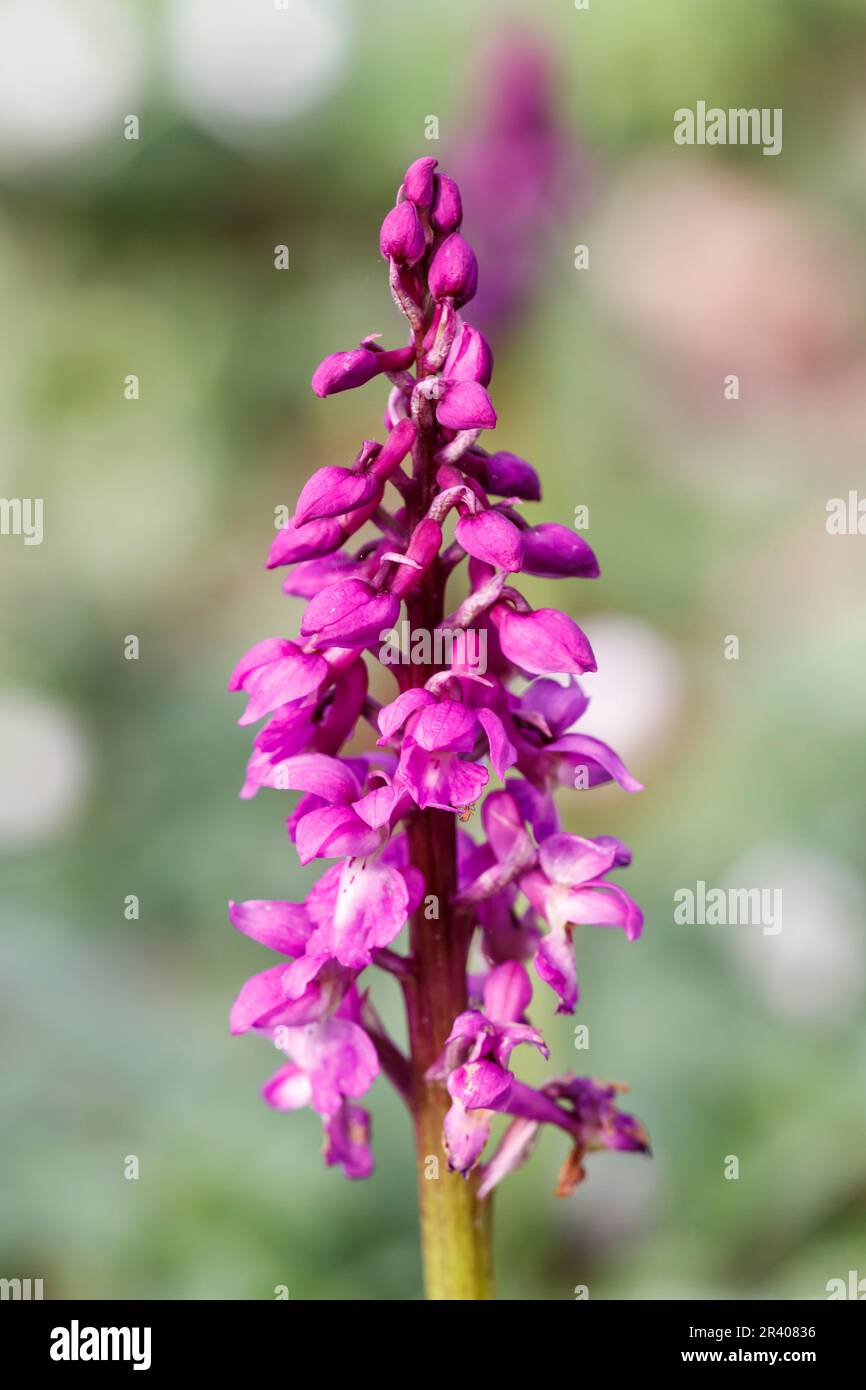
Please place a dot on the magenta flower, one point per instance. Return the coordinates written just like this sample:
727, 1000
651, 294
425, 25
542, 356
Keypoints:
474, 1065
435, 731
484, 694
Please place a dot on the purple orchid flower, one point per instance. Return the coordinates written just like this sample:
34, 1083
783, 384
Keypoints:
474, 1064
435, 732
569, 888
380, 785
585, 1109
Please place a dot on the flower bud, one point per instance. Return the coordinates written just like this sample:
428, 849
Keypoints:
492, 538
454, 271
552, 551
544, 642
402, 236
342, 371
331, 491
511, 476
418, 182
446, 213
349, 614
307, 542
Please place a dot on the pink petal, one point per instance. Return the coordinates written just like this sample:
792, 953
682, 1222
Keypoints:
479, 1085
601, 762
288, 1089
448, 724
326, 777
507, 992
465, 1135
394, 716
260, 997
554, 964
264, 653
503, 754
281, 926
466, 406
334, 831
604, 905
569, 859
285, 680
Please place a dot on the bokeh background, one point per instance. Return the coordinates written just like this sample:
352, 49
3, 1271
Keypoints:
155, 257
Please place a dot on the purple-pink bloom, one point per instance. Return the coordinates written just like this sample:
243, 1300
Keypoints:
435, 731
474, 1064
273, 673
588, 1112
567, 889
347, 1141
381, 775
330, 1060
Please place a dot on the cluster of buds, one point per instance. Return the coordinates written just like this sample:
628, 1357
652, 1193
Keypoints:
519, 892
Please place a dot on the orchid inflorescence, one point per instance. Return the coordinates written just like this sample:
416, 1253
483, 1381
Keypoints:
387, 814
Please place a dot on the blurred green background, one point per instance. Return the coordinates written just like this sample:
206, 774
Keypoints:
155, 257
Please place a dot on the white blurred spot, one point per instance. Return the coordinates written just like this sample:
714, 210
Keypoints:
43, 768
243, 65
814, 967
637, 693
67, 72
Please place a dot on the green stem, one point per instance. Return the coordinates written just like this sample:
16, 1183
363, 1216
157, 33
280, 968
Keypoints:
455, 1226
